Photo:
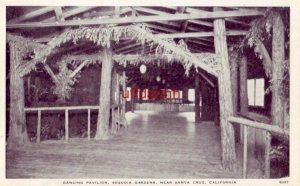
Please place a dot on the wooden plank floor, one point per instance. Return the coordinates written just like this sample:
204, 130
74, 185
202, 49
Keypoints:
155, 145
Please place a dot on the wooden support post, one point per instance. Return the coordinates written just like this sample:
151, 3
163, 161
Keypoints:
243, 85
124, 91
105, 94
225, 97
234, 82
67, 125
38, 131
17, 123
197, 98
113, 122
234, 87
267, 154
118, 118
132, 98
114, 87
29, 89
243, 89
244, 104
185, 93
216, 106
245, 151
278, 60
118, 101
89, 124
140, 95
124, 100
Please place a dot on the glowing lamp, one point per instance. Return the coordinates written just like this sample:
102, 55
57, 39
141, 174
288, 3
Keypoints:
158, 78
143, 69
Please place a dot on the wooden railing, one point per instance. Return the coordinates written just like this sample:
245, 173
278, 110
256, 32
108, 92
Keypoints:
268, 129
67, 109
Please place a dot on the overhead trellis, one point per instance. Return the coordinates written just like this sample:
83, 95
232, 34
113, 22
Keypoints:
103, 35
166, 50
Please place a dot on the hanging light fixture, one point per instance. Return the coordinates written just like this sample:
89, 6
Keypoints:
143, 69
163, 81
158, 78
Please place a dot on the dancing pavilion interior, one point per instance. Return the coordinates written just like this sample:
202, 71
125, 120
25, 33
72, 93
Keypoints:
147, 92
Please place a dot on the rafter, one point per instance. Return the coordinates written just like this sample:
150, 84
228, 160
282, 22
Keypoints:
72, 12
31, 15
122, 20
206, 78
198, 11
199, 34
179, 10
59, 13
199, 43
122, 49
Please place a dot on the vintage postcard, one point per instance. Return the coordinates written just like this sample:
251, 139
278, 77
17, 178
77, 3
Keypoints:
150, 93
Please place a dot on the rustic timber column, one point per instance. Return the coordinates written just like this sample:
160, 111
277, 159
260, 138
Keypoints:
105, 93
17, 125
197, 98
124, 93
234, 83
243, 86
141, 94
234, 87
225, 96
243, 91
277, 107
114, 84
185, 93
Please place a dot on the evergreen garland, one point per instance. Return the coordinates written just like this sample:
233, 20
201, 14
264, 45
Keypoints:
103, 35
31, 53
166, 50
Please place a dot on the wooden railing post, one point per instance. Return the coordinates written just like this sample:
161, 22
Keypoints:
118, 118
113, 124
67, 124
267, 154
38, 131
89, 124
245, 151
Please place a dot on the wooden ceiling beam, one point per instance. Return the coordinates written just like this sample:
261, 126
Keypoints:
31, 15
200, 34
122, 49
79, 10
197, 11
203, 23
72, 12
59, 13
197, 35
122, 20
137, 49
150, 25
179, 10
199, 43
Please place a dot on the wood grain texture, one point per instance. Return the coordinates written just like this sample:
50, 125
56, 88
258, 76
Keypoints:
225, 96
105, 95
155, 145
17, 126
